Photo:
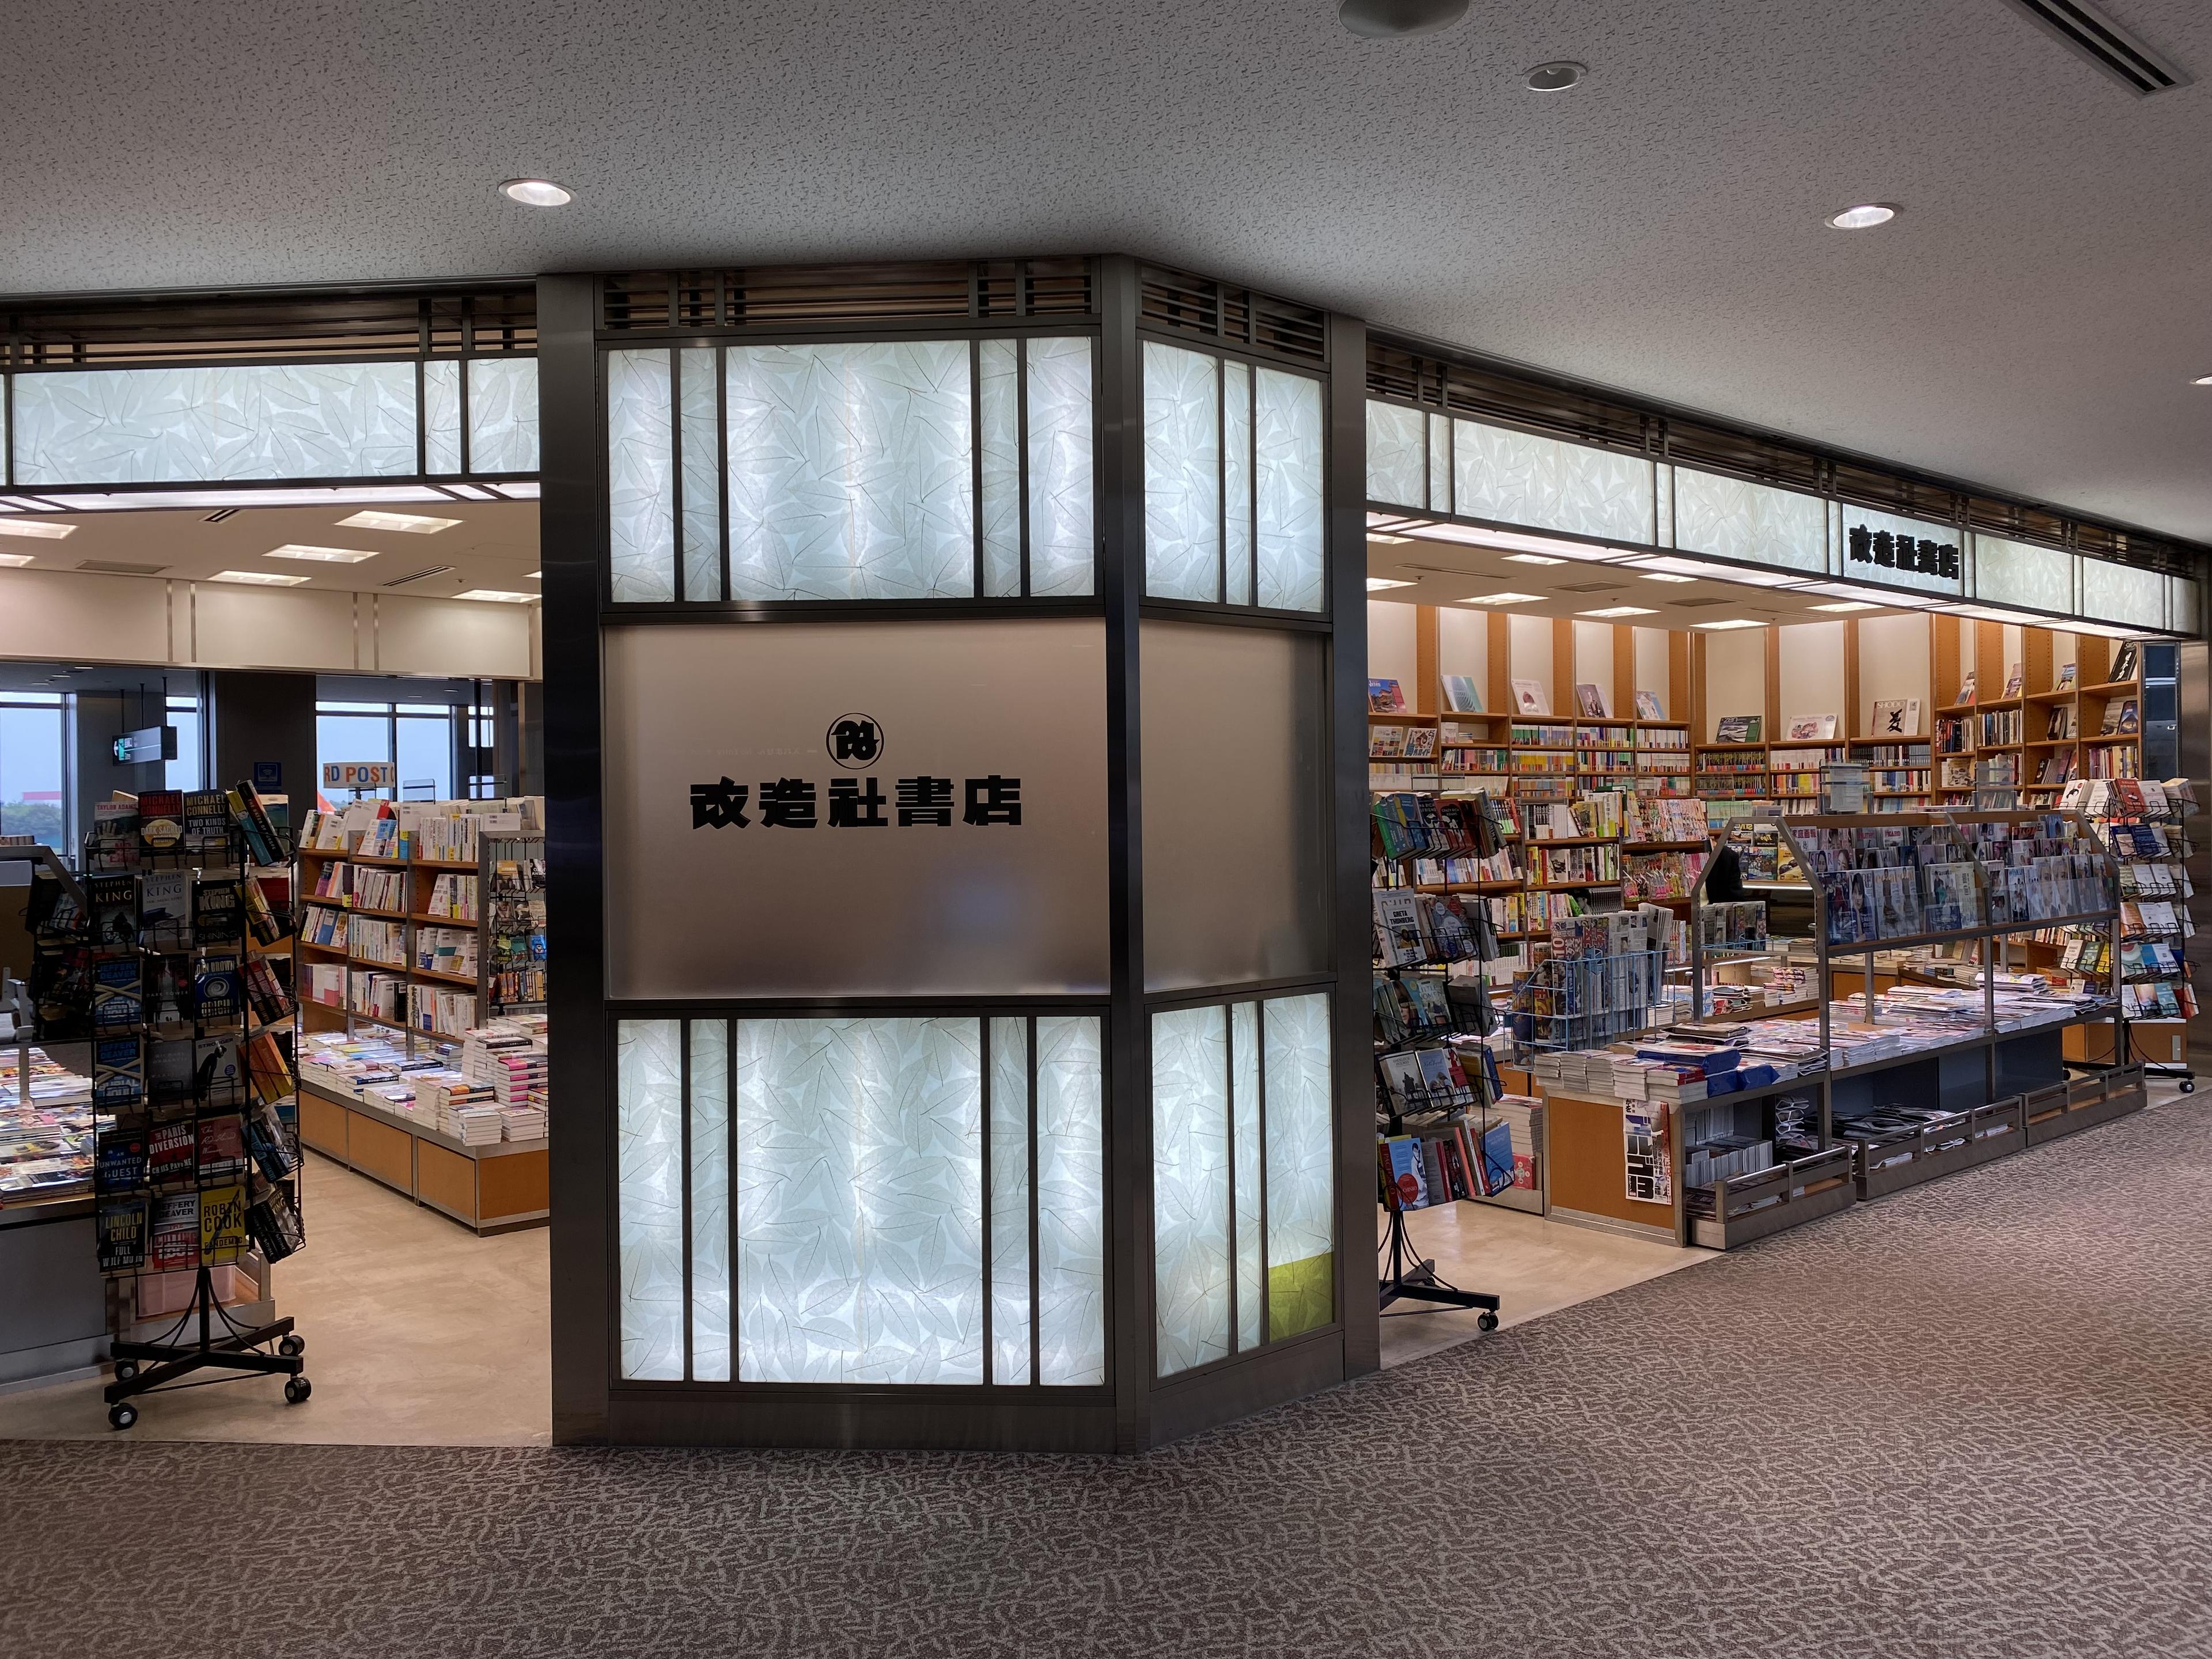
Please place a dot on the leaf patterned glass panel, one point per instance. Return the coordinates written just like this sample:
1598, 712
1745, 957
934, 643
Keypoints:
710, 1201
1301, 1167
2181, 604
641, 479
441, 416
1071, 1158
860, 1200
2019, 573
1440, 464
206, 425
999, 388
1237, 483
1752, 523
649, 1197
2122, 593
1287, 451
1010, 1200
851, 472
502, 415
1516, 477
1190, 1187
703, 472
1244, 1103
1395, 454
1062, 539
1182, 473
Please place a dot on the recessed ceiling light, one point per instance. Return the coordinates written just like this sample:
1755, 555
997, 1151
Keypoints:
1666, 577
536, 192
1387, 541
1844, 605
500, 595
15, 561
1532, 559
2201, 379
1383, 19
1620, 610
1374, 584
1557, 76
1865, 216
1750, 577
414, 524
1893, 600
39, 527
318, 555
1733, 621
259, 578
534, 575
1504, 599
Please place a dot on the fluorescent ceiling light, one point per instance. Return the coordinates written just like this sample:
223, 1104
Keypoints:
1845, 605
259, 578
1666, 577
1507, 541
517, 492
1504, 599
412, 523
536, 192
1993, 613
1389, 520
38, 528
2201, 379
1865, 216
130, 500
1750, 577
15, 561
1733, 621
1620, 610
499, 594
318, 555
1874, 595
2107, 630
1387, 541
1374, 584
533, 575
1532, 559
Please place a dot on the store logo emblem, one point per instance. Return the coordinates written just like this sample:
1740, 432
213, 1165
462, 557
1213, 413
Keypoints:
855, 741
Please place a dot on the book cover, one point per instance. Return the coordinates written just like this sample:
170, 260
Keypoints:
1647, 707
165, 908
1529, 698
114, 900
2066, 670
223, 1222
1592, 701
1811, 728
1497, 1164
273, 1222
169, 1063
270, 1071
121, 1234
118, 1072
218, 1073
118, 997
2128, 716
218, 912
215, 994
2012, 682
118, 1165
1966, 687
1405, 1181
2124, 664
171, 1151
176, 1232
1385, 697
264, 842
271, 1144
161, 820
1896, 717
207, 822
1461, 695
1738, 728
1384, 742
1420, 741
221, 1148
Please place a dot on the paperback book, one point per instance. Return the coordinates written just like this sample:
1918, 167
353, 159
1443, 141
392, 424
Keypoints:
122, 1225
176, 1232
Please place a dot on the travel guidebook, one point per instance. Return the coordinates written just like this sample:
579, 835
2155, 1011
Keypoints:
1385, 697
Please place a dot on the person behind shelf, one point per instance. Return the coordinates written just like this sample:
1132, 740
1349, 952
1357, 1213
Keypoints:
1724, 871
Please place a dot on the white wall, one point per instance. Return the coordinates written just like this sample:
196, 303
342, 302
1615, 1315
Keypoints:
1893, 663
1463, 647
1735, 677
1390, 648
2015, 656
1812, 671
1594, 662
1530, 638
71, 616
1655, 668
2064, 648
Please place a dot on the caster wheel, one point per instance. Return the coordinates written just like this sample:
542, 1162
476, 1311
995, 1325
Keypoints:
292, 1347
125, 1369
296, 1389
2188, 1087
1487, 1323
122, 1417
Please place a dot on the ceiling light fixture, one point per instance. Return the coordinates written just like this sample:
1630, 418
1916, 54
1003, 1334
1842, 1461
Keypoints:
1844, 605
1666, 577
1620, 610
412, 524
1733, 621
1374, 584
534, 575
2201, 379
1387, 541
318, 555
259, 578
1750, 576
15, 561
1504, 599
1556, 77
1506, 541
499, 594
1532, 559
1387, 19
39, 527
1865, 216
536, 192
1895, 599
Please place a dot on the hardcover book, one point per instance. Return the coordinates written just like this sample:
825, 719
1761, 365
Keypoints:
165, 908
2123, 663
176, 1232
169, 1063
117, 999
114, 901
2012, 683
1647, 707
218, 1075
118, 1072
1896, 717
1966, 687
218, 912
216, 993
223, 1222
1592, 701
1460, 696
1811, 728
118, 1165
222, 1148
1528, 698
161, 820
121, 1234
273, 1222
207, 823
1738, 728
274, 1148
1385, 697
171, 1151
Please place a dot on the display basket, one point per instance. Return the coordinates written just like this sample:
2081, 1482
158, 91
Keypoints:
1587, 1002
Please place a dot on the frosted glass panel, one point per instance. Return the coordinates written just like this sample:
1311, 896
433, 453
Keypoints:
441, 415
702, 479
1245, 1139
1182, 474
2019, 573
502, 415
1732, 519
2122, 593
641, 479
1440, 464
1190, 1188
1395, 454
1516, 477
710, 1201
1287, 451
1010, 1200
1062, 540
860, 1200
649, 1194
999, 390
1071, 1159
1301, 1167
2181, 604
851, 472
203, 425
1238, 483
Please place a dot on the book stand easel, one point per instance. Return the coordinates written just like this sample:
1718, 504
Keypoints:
234, 1349
1409, 1277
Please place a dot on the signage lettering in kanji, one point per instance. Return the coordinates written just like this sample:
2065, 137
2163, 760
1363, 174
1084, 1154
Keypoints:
993, 799
855, 741
788, 802
925, 801
717, 805
857, 804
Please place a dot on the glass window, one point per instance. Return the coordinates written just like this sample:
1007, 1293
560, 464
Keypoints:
425, 753
189, 769
33, 768
345, 731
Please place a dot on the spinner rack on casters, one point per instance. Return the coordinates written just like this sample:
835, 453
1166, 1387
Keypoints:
141, 1367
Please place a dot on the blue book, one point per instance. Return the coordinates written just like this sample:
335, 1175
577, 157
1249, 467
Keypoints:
1497, 1158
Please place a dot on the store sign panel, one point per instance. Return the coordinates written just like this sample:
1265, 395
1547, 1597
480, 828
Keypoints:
1885, 550
842, 809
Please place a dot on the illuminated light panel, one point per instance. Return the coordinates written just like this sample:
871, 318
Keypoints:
1845, 605
412, 524
1666, 577
536, 192
535, 575
1694, 568
1507, 541
40, 528
1504, 599
259, 578
497, 595
1865, 216
1733, 621
1883, 595
1533, 558
150, 500
1387, 541
1374, 584
15, 561
1621, 611
318, 555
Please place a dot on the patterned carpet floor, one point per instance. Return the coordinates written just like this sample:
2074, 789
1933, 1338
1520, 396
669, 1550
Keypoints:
1971, 1420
